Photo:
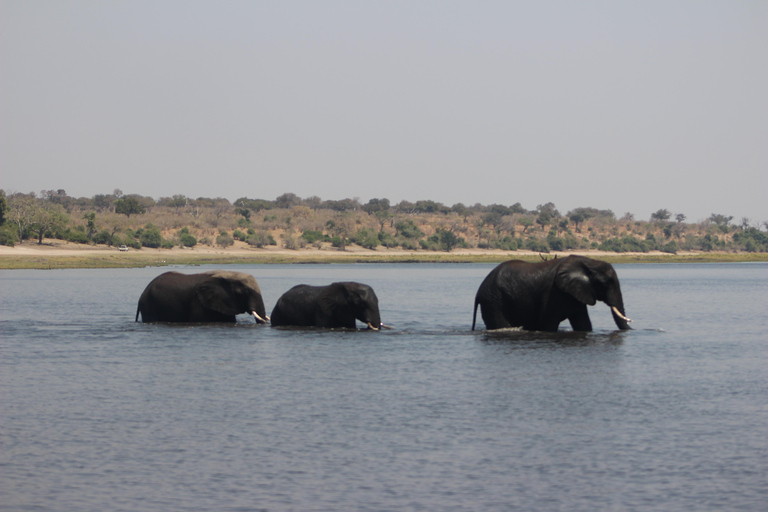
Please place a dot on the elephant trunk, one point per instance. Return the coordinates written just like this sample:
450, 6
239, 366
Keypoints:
622, 322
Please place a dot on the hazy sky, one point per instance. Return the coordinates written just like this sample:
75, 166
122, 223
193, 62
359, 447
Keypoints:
631, 106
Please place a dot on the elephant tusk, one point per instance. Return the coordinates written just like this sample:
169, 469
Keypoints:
370, 326
618, 314
258, 318
382, 326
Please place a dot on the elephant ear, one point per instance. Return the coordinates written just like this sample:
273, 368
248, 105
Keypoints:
335, 295
216, 294
575, 282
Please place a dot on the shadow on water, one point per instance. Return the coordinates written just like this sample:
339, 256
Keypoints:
518, 338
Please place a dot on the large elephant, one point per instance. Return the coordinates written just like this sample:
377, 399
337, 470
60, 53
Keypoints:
538, 296
335, 305
214, 296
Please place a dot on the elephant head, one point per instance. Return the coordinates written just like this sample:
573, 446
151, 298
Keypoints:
588, 281
232, 293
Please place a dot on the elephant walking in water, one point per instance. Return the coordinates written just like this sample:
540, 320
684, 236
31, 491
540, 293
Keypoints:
538, 296
215, 296
335, 305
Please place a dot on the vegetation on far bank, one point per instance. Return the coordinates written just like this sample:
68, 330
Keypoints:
161, 258
291, 222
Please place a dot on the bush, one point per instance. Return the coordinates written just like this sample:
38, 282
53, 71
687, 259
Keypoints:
556, 243
448, 240
225, 240
8, 237
188, 240
506, 244
239, 235
102, 237
132, 243
626, 244
366, 238
261, 239
751, 240
671, 247
429, 244
387, 240
535, 245
612, 245
150, 236
408, 229
75, 236
312, 236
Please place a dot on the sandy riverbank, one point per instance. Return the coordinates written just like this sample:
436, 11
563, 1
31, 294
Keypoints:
59, 254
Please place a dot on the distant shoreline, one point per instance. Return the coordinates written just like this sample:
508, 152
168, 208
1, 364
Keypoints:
58, 254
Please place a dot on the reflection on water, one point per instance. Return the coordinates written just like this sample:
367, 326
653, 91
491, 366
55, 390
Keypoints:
102, 413
518, 338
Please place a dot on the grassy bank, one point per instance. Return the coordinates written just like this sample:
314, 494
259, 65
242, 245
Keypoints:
134, 259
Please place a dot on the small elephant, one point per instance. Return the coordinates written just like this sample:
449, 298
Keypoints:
335, 305
214, 296
538, 296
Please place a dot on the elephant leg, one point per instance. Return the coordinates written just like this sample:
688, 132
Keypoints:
579, 319
493, 318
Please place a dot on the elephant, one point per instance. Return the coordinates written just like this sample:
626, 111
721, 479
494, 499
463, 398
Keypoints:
214, 296
538, 296
334, 305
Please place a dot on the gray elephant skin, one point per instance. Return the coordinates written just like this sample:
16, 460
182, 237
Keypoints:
538, 296
337, 305
214, 296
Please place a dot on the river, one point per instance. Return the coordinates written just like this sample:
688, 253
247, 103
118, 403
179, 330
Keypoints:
98, 412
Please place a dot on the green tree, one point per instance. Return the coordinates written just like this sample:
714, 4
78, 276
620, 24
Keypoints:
382, 216
150, 236
224, 240
430, 207
448, 239
245, 212
408, 229
288, 200
261, 239
7, 233
376, 205
103, 202
186, 239
21, 211
3, 207
526, 222
129, 206
721, 221
661, 215
312, 236
176, 202
90, 226
47, 217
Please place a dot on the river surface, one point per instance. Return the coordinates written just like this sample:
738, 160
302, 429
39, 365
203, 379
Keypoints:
99, 413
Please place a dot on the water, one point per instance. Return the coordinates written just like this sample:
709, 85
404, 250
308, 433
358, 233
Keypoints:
100, 413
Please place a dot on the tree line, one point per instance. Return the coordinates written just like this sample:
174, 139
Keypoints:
293, 222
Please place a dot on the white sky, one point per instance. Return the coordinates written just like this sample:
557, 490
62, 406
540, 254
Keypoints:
631, 106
